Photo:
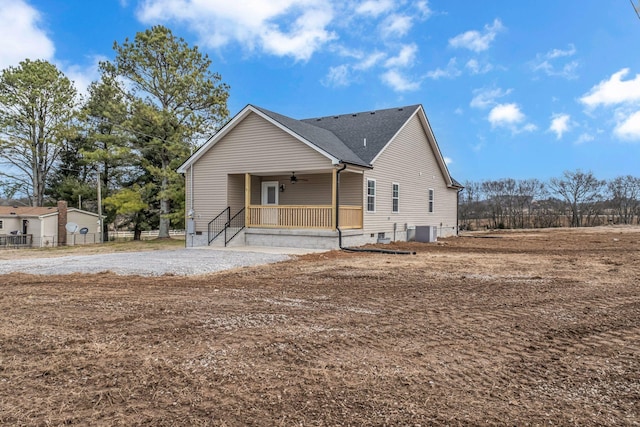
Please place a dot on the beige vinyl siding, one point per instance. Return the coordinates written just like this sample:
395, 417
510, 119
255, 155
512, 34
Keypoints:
49, 229
83, 220
256, 190
235, 193
11, 224
351, 188
311, 189
410, 162
254, 146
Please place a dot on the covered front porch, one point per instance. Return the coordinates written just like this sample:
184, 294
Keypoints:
302, 200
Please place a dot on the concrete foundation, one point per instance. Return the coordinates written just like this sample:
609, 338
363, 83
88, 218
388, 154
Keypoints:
303, 238
306, 238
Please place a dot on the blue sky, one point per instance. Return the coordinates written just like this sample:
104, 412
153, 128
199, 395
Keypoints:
513, 89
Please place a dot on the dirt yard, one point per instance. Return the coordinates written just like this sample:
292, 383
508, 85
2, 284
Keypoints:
535, 328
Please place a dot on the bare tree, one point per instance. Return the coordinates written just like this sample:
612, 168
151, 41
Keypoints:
494, 192
581, 191
624, 194
528, 191
471, 207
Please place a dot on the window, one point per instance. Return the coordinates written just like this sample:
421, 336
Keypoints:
371, 195
1, 225
431, 200
395, 198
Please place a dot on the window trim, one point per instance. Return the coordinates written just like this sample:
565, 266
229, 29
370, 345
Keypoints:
431, 198
395, 197
373, 195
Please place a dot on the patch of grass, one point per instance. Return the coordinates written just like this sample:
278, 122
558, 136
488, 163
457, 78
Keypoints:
107, 247
142, 245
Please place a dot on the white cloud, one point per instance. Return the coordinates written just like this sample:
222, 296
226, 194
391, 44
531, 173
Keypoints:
374, 8
475, 40
398, 82
83, 76
370, 61
294, 28
405, 57
585, 137
621, 98
485, 98
559, 53
424, 9
450, 72
509, 116
629, 128
396, 26
448, 160
505, 114
568, 71
548, 63
560, 124
344, 75
337, 77
474, 67
613, 91
21, 35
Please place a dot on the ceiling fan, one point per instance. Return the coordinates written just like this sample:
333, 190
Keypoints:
293, 178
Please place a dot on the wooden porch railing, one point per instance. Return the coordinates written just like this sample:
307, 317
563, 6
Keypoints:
350, 217
293, 216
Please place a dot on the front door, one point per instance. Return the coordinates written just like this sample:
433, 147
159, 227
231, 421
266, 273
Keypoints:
270, 198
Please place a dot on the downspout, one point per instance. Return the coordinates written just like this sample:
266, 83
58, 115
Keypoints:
191, 201
337, 213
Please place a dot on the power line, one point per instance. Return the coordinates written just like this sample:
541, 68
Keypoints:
636, 8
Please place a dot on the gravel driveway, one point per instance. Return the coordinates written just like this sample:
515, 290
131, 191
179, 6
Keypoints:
181, 262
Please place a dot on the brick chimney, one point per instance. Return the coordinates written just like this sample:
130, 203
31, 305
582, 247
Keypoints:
62, 222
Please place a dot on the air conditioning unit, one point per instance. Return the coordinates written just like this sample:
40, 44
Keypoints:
411, 232
426, 233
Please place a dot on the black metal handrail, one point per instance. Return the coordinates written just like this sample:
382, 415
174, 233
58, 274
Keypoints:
236, 222
218, 225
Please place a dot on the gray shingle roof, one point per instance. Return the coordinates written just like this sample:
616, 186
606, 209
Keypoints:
378, 127
343, 136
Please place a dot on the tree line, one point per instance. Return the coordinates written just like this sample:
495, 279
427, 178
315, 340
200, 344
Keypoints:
576, 199
152, 105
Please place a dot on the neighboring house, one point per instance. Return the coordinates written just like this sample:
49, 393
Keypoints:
26, 226
285, 180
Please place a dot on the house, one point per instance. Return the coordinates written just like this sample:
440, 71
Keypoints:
26, 226
343, 180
